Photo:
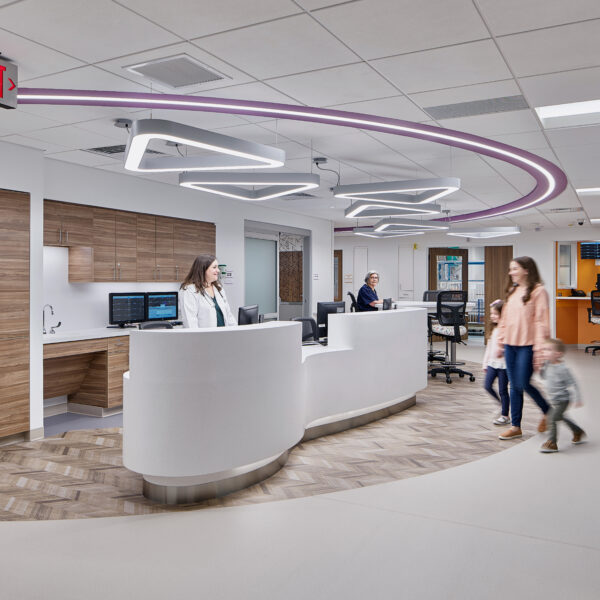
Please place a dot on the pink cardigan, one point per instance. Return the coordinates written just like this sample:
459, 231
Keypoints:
525, 324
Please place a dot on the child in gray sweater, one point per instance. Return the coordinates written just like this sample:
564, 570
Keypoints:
561, 388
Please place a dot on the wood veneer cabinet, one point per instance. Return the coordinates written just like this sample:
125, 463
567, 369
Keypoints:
14, 312
116, 245
67, 224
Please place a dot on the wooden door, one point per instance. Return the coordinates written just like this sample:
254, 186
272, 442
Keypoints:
165, 260
105, 268
126, 246
442, 253
52, 223
497, 260
14, 312
77, 224
338, 275
146, 248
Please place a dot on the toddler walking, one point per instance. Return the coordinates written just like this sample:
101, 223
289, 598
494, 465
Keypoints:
561, 388
495, 368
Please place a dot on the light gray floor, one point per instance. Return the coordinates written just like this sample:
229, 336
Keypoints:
518, 524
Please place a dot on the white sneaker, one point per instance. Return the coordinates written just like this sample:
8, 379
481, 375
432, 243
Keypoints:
502, 420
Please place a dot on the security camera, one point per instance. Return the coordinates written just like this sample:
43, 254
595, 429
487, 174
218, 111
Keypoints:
580, 222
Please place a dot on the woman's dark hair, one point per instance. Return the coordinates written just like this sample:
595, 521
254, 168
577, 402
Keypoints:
496, 305
197, 274
533, 277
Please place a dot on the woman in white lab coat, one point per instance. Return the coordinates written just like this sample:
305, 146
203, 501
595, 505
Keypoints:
202, 300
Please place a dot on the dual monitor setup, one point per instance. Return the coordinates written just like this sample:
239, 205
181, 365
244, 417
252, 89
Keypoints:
137, 307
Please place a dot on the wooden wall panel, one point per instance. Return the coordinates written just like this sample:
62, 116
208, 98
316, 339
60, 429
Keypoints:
14, 385
497, 260
290, 276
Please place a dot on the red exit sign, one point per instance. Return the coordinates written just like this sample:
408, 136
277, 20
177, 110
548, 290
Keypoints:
8, 84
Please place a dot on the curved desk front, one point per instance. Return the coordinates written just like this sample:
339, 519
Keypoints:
210, 411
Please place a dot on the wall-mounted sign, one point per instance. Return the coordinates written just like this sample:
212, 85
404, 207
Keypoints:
8, 84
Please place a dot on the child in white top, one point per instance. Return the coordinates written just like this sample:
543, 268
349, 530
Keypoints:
494, 367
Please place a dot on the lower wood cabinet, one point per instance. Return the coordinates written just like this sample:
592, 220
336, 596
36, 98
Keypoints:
14, 385
89, 372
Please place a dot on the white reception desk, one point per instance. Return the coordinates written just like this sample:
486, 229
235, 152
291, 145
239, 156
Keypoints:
209, 411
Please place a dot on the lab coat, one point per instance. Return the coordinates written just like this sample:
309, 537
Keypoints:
197, 310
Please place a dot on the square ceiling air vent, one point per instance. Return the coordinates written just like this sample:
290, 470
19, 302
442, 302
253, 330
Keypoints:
175, 71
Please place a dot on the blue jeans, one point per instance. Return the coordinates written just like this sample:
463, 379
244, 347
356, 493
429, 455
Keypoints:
519, 366
490, 377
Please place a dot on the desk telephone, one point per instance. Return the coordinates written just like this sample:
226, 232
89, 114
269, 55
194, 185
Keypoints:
578, 293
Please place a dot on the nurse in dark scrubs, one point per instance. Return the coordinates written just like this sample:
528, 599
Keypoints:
367, 296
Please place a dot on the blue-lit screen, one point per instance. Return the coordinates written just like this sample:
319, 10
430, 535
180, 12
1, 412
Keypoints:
162, 306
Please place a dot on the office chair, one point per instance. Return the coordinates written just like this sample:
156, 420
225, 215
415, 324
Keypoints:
432, 355
310, 331
353, 305
156, 325
451, 325
594, 317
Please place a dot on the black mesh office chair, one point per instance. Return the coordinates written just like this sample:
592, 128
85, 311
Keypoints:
310, 331
594, 317
353, 305
432, 355
451, 325
156, 325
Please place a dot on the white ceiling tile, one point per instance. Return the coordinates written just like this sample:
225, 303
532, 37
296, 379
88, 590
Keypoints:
230, 74
476, 62
192, 19
80, 157
304, 132
72, 137
516, 176
316, 4
550, 50
291, 45
90, 31
253, 133
418, 149
397, 107
33, 59
335, 86
525, 141
566, 199
22, 140
591, 205
195, 118
87, 78
512, 16
581, 164
259, 92
19, 121
574, 136
517, 121
561, 88
467, 93
376, 28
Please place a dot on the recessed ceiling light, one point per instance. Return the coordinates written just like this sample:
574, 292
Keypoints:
232, 153
483, 232
228, 184
588, 191
573, 113
365, 209
420, 191
402, 225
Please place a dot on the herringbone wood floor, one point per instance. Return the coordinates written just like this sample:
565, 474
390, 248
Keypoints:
80, 473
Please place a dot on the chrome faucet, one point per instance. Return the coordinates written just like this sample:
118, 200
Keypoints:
44, 319
44, 316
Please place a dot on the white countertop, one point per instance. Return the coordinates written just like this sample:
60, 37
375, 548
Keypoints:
573, 297
85, 334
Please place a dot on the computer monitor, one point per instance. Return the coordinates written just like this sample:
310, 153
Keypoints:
324, 309
387, 304
161, 306
125, 308
248, 315
598, 281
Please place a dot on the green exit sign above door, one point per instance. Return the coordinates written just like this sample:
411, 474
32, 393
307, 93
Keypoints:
8, 84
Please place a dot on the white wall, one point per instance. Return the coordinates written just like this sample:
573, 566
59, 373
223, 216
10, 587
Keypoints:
26, 169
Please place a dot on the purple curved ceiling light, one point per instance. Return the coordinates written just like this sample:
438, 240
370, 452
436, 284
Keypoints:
550, 181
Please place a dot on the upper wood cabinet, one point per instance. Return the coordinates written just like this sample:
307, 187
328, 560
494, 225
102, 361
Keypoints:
67, 224
125, 246
115, 244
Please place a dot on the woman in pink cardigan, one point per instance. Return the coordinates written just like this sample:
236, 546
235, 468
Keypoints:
522, 331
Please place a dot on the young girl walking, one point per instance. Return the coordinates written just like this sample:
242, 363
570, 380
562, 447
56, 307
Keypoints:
495, 368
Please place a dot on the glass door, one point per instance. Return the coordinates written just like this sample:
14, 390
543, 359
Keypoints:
262, 274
